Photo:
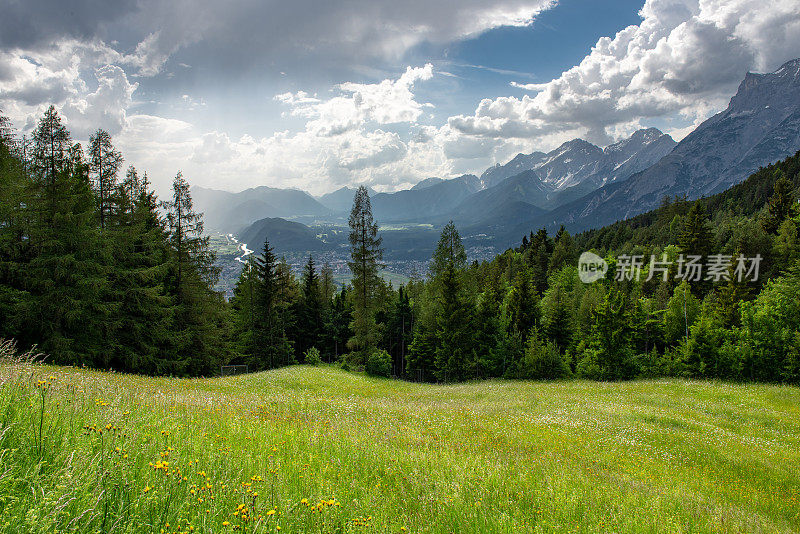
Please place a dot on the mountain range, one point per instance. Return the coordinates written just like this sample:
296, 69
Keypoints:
578, 184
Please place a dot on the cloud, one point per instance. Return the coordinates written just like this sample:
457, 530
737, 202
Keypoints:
387, 102
31, 23
238, 34
685, 58
105, 108
65, 75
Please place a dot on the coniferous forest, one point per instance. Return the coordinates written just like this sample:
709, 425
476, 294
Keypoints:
96, 271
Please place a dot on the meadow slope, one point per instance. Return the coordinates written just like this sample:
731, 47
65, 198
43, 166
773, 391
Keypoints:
305, 449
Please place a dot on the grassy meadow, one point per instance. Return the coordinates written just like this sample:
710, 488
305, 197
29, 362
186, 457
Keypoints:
305, 449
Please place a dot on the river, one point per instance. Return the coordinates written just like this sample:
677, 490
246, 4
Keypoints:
242, 248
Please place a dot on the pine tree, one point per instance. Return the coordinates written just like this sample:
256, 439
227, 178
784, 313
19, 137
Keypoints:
455, 352
49, 161
611, 338
338, 325
243, 309
104, 165
365, 254
198, 310
270, 346
310, 314
564, 252
398, 331
538, 258
523, 307
139, 339
780, 204
559, 327
13, 238
696, 236
64, 276
449, 252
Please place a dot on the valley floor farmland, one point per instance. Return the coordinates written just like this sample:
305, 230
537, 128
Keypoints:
305, 449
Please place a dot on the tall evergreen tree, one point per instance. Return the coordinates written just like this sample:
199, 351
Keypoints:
139, 338
13, 242
398, 331
455, 352
65, 276
104, 166
191, 278
523, 309
780, 204
365, 254
696, 236
243, 309
338, 325
610, 341
310, 316
270, 346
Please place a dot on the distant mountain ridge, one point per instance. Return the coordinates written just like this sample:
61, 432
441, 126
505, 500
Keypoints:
577, 162
558, 177
761, 125
229, 212
575, 167
341, 200
422, 204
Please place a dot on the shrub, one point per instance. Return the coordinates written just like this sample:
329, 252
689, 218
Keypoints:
543, 361
312, 356
379, 364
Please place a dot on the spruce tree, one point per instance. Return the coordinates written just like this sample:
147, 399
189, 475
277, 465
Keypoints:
243, 308
696, 236
523, 309
269, 346
65, 274
455, 352
104, 165
365, 254
192, 274
338, 325
780, 204
611, 338
310, 314
398, 330
139, 340
13, 234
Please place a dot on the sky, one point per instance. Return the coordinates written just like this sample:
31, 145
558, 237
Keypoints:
316, 95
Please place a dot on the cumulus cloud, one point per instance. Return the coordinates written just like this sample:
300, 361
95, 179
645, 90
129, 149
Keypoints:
104, 108
65, 75
685, 58
387, 102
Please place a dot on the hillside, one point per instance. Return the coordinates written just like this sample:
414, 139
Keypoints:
284, 236
320, 450
760, 126
230, 212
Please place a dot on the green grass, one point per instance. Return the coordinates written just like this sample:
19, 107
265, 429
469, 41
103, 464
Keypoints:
373, 455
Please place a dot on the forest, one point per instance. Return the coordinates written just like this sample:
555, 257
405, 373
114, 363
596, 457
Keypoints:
96, 271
